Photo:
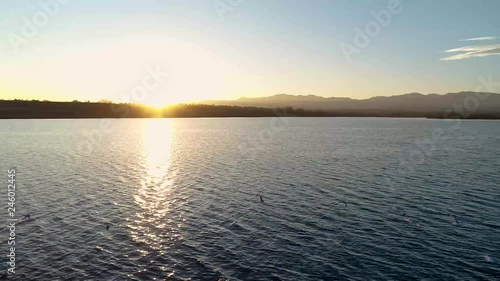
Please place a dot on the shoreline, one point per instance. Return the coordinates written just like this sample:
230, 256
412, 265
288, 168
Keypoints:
16, 109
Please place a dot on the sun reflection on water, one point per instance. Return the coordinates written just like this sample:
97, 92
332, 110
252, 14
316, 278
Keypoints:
151, 225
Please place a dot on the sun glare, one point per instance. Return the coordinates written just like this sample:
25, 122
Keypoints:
155, 186
175, 71
192, 73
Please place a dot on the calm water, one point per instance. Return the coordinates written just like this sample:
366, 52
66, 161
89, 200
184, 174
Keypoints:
344, 199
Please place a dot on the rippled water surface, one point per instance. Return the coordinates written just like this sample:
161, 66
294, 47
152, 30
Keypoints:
343, 199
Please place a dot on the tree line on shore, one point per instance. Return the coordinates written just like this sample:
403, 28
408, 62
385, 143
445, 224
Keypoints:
34, 109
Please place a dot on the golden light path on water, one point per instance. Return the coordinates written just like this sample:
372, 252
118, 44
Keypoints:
151, 224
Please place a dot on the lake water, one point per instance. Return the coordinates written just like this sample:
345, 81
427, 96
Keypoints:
343, 199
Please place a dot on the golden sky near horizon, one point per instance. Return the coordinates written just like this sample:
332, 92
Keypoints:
171, 51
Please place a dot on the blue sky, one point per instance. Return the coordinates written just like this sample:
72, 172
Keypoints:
222, 49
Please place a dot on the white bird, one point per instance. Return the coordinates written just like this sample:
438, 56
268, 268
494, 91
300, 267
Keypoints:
488, 259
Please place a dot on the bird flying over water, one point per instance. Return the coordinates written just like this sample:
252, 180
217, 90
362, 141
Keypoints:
489, 259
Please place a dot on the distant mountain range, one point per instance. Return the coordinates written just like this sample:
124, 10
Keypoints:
407, 103
464, 105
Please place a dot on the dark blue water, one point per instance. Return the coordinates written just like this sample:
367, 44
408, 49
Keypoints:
344, 199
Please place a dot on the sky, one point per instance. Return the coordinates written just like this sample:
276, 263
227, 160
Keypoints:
168, 51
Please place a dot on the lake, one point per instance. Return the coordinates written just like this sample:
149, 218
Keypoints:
342, 199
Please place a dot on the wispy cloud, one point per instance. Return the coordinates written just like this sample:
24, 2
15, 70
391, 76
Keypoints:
475, 51
488, 38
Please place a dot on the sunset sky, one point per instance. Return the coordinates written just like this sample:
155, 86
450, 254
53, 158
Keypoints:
226, 49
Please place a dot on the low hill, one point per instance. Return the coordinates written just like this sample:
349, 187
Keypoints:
413, 102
